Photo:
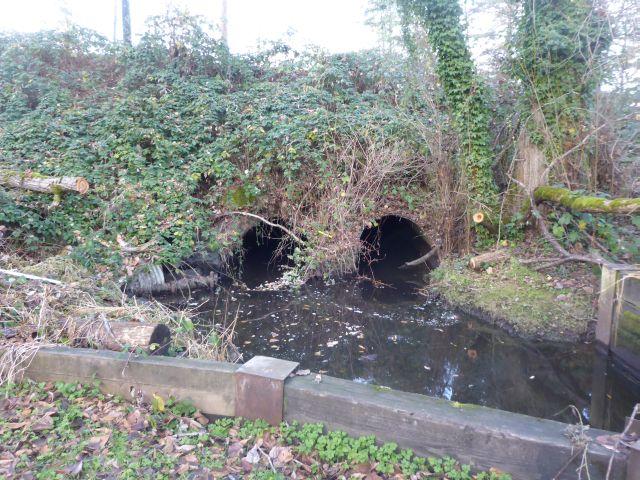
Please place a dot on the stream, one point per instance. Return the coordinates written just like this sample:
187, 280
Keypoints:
392, 337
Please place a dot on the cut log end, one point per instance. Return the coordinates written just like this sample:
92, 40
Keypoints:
82, 186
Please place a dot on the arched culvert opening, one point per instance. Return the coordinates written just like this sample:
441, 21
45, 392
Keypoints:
389, 245
265, 254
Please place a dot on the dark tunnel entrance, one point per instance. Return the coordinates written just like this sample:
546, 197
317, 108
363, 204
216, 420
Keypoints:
389, 245
265, 254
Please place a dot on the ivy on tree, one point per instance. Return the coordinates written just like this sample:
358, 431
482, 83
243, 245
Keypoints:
464, 93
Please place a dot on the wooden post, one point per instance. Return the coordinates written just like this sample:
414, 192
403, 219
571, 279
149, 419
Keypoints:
260, 388
606, 306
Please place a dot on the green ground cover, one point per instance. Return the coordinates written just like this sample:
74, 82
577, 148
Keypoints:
528, 302
55, 431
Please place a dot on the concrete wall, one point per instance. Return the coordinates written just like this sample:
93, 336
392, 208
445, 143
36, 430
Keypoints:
526, 447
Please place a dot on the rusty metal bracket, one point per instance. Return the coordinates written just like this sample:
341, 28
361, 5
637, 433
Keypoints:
260, 388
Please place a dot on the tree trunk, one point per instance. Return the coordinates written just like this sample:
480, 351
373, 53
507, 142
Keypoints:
585, 203
477, 262
39, 183
529, 169
224, 23
126, 22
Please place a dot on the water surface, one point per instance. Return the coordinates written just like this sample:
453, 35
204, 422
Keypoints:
392, 337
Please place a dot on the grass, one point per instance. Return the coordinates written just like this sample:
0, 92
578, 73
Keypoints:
516, 296
34, 313
56, 431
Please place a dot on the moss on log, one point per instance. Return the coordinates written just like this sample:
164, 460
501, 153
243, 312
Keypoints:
585, 203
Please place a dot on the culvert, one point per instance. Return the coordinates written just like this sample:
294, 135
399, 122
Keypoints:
391, 243
265, 254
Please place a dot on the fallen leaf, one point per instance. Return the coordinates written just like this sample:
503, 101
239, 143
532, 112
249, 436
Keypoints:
253, 455
15, 426
235, 449
191, 458
169, 445
97, 443
280, 455
185, 448
44, 423
72, 470
157, 403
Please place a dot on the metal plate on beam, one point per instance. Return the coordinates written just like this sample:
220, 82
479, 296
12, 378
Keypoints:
260, 388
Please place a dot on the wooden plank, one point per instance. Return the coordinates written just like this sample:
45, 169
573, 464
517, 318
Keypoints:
208, 385
526, 447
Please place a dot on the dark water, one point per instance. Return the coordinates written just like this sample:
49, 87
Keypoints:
390, 337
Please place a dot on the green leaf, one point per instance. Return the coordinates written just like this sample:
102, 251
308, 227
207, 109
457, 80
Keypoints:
558, 231
565, 219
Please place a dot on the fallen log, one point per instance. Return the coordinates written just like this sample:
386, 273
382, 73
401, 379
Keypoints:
585, 203
41, 183
154, 282
120, 335
422, 259
494, 256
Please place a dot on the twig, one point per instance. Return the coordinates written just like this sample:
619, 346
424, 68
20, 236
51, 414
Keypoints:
271, 224
13, 273
571, 150
569, 462
634, 413
268, 458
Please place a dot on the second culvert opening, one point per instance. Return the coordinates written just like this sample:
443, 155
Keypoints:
266, 252
389, 245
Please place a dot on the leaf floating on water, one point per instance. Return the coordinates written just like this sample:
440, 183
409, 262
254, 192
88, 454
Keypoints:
369, 358
472, 354
318, 353
333, 343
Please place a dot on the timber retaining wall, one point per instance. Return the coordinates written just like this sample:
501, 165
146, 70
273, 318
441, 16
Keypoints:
526, 447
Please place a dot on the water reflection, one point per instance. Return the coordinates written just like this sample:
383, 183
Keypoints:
397, 340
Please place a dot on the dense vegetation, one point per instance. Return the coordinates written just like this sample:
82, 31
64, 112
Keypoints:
175, 128
174, 132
